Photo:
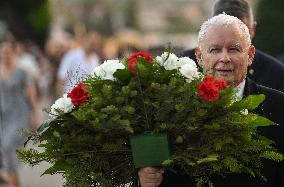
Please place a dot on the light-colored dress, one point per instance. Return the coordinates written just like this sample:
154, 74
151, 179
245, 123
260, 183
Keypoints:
15, 112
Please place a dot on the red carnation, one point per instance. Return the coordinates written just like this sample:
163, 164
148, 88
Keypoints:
221, 84
208, 91
78, 94
133, 59
132, 64
209, 88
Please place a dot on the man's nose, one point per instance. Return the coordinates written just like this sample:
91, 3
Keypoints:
224, 57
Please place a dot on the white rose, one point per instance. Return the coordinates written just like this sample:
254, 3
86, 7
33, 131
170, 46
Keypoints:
189, 72
160, 60
169, 60
187, 60
63, 104
106, 70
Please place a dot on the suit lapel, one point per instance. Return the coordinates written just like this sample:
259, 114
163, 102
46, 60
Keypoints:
250, 88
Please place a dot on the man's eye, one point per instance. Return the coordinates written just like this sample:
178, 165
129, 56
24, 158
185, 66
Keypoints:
213, 50
233, 49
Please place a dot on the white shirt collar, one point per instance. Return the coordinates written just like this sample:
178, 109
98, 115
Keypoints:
240, 89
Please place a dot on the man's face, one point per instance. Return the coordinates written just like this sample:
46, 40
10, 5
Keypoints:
224, 53
91, 41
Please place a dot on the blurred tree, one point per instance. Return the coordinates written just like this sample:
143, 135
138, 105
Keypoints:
27, 19
270, 24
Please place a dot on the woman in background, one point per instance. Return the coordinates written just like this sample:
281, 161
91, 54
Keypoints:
19, 109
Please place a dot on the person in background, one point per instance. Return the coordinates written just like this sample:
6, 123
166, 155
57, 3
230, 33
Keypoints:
127, 51
27, 61
225, 52
55, 48
19, 109
78, 63
265, 70
110, 48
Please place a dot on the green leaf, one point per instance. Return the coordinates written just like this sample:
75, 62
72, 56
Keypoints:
126, 125
122, 74
30, 156
179, 139
258, 121
56, 134
250, 102
167, 162
50, 171
129, 109
164, 75
144, 68
273, 155
57, 167
232, 164
209, 158
109, 109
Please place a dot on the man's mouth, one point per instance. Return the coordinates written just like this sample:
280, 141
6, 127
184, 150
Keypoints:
224, 71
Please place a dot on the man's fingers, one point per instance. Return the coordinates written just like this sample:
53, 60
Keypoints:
151, 184
150, 177
151, 170
154, 175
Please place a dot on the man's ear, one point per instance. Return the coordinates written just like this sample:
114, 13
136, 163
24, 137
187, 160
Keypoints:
198, 56
251, 54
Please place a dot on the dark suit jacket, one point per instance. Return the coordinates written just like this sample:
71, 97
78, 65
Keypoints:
265, 69
272, 108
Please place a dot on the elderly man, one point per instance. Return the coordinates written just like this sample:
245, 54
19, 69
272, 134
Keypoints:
225, 51
265, 70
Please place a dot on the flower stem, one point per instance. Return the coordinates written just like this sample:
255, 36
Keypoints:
143, 100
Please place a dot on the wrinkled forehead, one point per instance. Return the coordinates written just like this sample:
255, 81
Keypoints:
225, 31
220, 34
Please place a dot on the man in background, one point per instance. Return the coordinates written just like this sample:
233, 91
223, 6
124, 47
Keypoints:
265, 69
78, 63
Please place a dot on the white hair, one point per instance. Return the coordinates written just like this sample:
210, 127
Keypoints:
226, 20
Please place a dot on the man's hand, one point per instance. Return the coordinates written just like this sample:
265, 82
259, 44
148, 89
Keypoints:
150, 177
